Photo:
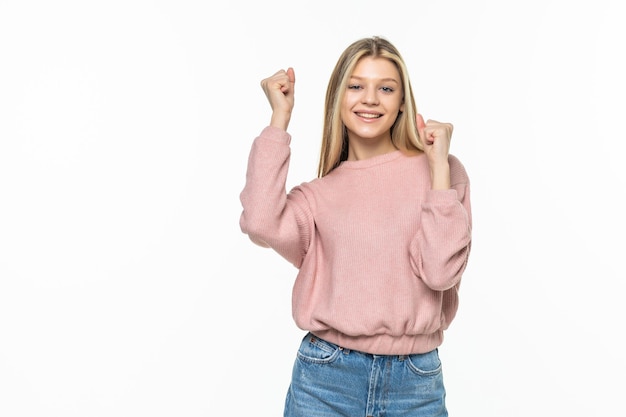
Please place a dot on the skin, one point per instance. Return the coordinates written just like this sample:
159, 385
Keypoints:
370, 106
374, 90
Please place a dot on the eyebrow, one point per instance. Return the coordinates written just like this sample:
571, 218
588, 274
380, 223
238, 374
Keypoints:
378, 79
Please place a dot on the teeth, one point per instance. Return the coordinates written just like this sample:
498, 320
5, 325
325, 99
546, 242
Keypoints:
368, 115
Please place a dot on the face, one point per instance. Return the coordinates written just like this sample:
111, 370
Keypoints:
372, 101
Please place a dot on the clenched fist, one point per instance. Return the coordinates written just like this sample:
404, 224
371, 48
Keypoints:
279, 90
435, 137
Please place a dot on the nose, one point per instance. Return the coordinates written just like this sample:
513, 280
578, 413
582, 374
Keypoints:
370, 96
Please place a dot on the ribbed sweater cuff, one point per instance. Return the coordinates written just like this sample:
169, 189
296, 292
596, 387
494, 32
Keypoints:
276, 134
441, 196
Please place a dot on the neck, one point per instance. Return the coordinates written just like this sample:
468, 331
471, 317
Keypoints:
358, 150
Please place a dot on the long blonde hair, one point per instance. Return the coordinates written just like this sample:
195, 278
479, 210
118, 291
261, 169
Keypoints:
404, 134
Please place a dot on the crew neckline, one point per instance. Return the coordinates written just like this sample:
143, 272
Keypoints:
372, 161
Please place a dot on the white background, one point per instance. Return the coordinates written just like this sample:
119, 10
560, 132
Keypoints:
126, 286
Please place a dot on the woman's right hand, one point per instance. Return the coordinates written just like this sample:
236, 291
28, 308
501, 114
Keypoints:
279, 89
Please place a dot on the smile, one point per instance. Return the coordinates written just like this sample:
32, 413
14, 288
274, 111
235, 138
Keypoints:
369, 115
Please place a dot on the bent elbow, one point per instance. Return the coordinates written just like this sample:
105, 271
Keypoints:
259, 242
256, 233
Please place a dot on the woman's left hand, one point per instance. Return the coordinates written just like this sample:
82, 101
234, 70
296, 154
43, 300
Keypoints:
435, 137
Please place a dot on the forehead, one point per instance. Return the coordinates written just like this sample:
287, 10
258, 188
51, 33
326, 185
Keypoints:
376, 68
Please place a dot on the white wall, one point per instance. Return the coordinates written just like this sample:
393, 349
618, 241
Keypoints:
126, 286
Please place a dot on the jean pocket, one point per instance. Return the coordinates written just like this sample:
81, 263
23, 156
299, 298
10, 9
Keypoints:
425, 364
316, 350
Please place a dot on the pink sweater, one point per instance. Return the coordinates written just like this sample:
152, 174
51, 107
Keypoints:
379, 254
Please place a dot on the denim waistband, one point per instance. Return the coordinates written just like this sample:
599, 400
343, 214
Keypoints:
347, 351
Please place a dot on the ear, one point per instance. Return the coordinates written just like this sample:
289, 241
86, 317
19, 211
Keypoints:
402, 107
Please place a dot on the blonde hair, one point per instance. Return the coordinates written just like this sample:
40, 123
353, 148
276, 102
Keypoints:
404, 135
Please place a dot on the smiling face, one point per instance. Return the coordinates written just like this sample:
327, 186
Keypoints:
371, 104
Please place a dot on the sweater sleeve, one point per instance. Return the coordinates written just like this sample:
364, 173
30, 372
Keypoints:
271, 217
440, 251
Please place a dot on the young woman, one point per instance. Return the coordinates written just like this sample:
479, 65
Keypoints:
380, 239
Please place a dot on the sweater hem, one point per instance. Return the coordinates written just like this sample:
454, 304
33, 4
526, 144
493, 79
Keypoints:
384, 344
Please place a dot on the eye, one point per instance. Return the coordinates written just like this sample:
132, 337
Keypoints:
387, 89
354, 87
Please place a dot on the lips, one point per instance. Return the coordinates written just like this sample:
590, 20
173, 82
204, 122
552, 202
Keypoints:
369, 115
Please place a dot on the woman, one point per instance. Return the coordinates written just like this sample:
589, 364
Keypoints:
380, 239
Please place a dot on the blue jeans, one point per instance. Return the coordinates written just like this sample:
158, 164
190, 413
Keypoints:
329, 380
